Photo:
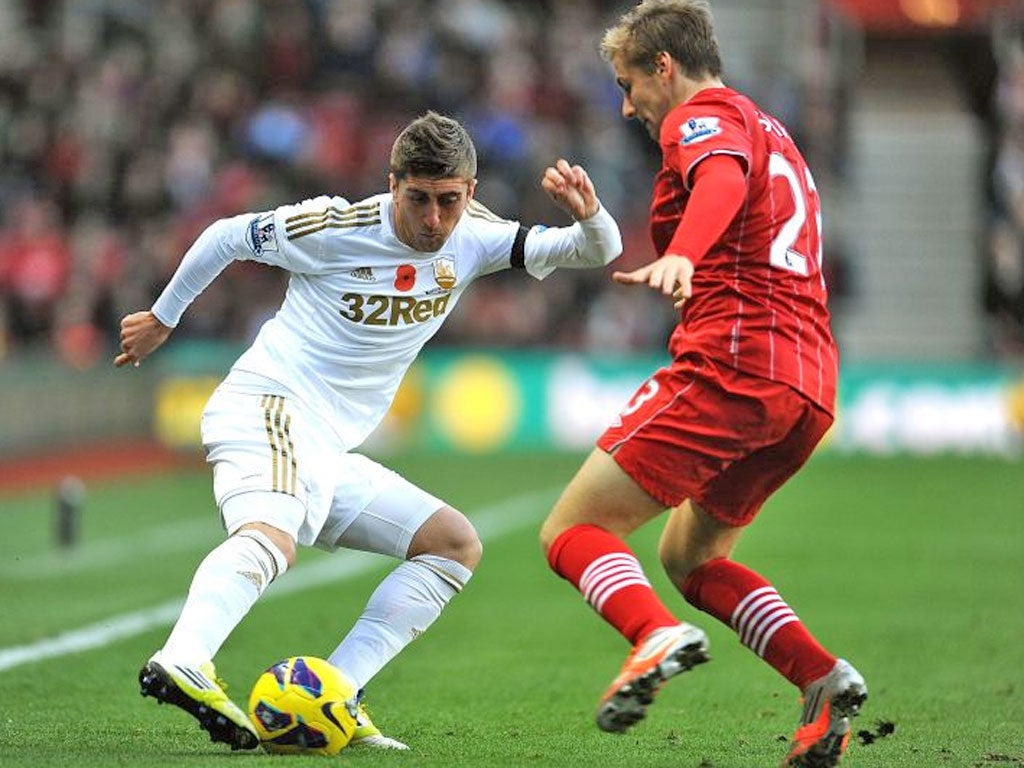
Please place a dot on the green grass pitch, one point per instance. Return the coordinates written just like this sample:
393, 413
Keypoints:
912, 569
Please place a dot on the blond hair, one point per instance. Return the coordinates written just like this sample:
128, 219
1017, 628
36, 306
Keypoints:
684, 29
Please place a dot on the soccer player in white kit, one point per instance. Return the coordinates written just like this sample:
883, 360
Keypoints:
370, 283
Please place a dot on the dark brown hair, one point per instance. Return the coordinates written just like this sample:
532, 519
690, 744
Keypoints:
435, 147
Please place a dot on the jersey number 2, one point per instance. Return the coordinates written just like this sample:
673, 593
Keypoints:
783, 253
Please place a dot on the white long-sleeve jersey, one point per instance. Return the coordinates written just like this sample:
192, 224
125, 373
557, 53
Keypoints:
360, 303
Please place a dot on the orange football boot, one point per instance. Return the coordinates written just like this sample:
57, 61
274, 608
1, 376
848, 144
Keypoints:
824, 731
664, 653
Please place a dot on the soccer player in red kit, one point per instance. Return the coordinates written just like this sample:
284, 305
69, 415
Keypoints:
749, 392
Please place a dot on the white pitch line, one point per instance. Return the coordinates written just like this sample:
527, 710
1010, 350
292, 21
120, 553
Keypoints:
157, 541
491, 522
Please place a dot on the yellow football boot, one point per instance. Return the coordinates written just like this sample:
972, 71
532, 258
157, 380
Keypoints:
368, 735
198, 691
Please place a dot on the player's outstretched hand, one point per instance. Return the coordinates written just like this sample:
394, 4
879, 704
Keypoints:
671, 274
571, 189
141, 334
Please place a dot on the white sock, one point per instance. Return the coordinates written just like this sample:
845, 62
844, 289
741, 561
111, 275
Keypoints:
401, 608
225, 585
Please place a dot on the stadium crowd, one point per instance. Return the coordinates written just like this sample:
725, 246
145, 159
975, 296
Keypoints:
1004, 278
128, 126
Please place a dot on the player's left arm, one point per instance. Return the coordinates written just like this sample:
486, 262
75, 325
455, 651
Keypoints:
592, 241
718, 192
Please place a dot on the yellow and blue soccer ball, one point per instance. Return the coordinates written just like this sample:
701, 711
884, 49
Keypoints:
298, 706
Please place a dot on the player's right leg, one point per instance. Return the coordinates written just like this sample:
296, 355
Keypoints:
245, 436
224, 588
584, 541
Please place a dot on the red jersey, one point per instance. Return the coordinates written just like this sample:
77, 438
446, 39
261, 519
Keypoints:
759, 298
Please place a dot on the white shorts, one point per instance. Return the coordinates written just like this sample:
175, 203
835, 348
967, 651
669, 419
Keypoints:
275, 464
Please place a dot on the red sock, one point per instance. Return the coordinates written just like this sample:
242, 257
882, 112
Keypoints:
737, 596
610, 578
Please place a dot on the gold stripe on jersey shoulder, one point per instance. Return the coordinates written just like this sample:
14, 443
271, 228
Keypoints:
333, 215
316, 227
292, 220
356, 215
331, 209
480, 211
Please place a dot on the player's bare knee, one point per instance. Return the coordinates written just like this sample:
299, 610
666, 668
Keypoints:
463, 544
447, 533
691, 538
680, 558
471, 552
677, 567
565, 514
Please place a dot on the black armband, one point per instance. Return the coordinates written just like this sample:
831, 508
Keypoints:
518, 258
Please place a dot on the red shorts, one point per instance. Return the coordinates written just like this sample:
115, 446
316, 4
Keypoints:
702, 430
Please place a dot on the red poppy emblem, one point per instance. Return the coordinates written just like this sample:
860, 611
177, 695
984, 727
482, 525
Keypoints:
405, 277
